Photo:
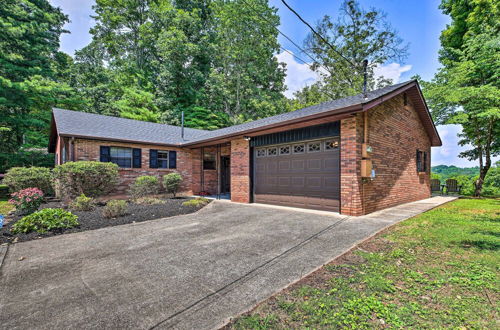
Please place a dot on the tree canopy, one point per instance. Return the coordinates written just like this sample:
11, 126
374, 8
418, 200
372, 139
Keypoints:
465, 90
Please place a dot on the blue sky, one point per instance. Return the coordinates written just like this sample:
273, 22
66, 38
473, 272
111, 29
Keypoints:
418, 22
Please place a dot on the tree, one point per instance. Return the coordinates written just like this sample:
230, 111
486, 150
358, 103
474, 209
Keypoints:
218, 55
465, 90
247, 79
30, 69
357, 35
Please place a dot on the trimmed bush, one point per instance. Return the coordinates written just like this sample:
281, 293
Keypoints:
27, 200
149, 201
145, 185
114, 209
83, 203
172, 182
4, 191
90, 178
45, 220
19, 178
197, 202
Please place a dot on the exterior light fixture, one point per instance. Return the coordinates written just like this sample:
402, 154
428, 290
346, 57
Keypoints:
247, 138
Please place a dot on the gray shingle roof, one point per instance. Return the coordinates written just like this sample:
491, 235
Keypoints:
312, 110
81, 124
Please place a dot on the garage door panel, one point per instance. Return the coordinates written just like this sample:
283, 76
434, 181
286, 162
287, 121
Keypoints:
303, 179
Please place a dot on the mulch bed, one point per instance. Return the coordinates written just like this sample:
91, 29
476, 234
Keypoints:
90, 220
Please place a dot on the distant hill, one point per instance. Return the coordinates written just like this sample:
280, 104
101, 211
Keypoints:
446, 171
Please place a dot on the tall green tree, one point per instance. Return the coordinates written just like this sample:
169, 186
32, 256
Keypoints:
465, 90
247, 80
218, 55
30, 66
357, 34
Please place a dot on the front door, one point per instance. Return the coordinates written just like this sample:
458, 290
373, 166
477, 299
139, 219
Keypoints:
225, 174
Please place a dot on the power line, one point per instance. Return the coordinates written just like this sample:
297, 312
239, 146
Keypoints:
319, 35
287, 37
304, 62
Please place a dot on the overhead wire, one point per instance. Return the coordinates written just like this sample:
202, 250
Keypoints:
319, 35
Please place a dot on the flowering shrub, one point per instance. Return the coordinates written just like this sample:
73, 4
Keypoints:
45, 220
27, 200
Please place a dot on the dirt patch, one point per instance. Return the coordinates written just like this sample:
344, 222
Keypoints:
90, 220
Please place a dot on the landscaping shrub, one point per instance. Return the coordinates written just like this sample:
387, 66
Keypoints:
45, 220
197, 202
27, 200
89, 178
172, 182
83, 203
19, 178
149, 201
4, 191
115, 209
145, 185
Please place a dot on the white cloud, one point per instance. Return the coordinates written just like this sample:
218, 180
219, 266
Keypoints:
391, 71
447, 154
298, 75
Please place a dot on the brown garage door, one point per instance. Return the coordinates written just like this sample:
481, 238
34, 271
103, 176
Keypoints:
305, 174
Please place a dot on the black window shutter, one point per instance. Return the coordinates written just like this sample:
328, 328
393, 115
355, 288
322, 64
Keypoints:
136, 157
418, 161
104, 154
153, 158
424, 167
172, 159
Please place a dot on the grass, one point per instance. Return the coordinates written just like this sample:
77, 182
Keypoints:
5, 207
439, 269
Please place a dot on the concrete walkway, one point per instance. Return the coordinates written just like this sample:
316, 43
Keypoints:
187, 272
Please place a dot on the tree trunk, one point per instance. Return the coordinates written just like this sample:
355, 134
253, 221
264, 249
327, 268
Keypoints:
478, 185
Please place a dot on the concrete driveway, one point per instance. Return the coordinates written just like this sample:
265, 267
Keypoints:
192, 271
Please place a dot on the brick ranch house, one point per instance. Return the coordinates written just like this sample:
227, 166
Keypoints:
353, 155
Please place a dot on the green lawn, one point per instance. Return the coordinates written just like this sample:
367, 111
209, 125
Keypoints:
5, 207
440, 269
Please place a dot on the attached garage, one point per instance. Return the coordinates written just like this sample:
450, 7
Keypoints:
301, 171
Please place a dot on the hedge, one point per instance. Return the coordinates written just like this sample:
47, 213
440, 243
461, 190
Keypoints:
19, 178
84, 177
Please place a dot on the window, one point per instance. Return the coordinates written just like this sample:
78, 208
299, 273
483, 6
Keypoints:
261, 152
298, 149
162, 159
331, 144
209, 160
284, 150
314, 147
272, 151
421, 161
121, 156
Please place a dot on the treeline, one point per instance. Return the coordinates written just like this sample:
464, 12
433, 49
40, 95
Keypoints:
467, 176
152, 59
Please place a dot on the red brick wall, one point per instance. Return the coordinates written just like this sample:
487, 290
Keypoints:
351, 134
240, 171
89, 150
395, 133
209, 183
